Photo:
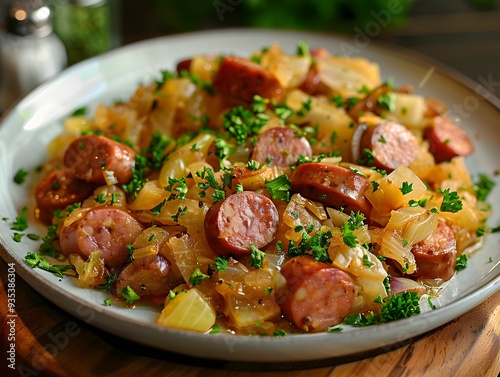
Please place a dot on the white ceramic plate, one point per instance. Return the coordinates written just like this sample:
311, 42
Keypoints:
29, 126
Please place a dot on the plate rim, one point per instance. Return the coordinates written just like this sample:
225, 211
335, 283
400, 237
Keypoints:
491, 285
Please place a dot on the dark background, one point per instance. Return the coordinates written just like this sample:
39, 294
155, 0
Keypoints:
463, 34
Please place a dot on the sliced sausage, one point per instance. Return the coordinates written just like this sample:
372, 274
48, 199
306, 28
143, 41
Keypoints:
369, 102
184, 65
90, 155
436, 255
146, 276
280, 146
107, 229
332, 185
243, 79
242, 219
447, 140
317, 295
58, 190
392, 145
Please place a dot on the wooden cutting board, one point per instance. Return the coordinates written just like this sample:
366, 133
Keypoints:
50, 342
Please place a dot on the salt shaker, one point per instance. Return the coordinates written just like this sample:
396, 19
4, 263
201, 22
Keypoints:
30, 52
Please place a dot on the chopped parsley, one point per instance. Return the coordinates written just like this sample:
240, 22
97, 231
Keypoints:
303, 49
129, 295
178, 188
337, 100
256, 257
279, 188
208, 175
406, 188
451, 201
461, 263
47, 245
215, 329
315, 245
79, 112
398, 306
483, 187
181, 211
254, 165
21, 222
431, 304
20, 176
197, 276
241, 123
375, 185
35, 261
354, 222
366, 261
306, 107
221, 263
165, 76
387, 102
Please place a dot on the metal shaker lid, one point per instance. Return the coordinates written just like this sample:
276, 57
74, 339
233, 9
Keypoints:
29, 18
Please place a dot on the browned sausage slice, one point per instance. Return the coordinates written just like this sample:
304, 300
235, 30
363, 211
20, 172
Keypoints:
58, 190
280, 146
333, 185
447, 140
436, 255
392, 145
242, 219
90, 155
146, 276
317, 295
184, 65
106, 229
241, 78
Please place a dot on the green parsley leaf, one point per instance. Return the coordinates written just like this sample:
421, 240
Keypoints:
451, 201
306, 107
35, 261
178, 188
221, 263
483, 187
180, 212
79, 112
461, 263
400, 305
107, 302
129, 295
354, 222
254, 165
406, 188
375, 185
215, 329
431, 304
334, 329
361, 320
17, 236
197, 276
256, 257
195, 79
366, 261
20, 176
279, 188
337, 100
303, 49
21, 222
387, 102
47, 245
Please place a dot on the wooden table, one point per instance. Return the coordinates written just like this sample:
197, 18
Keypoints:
468, 346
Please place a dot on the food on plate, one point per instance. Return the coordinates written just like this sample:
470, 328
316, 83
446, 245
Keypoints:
264, 195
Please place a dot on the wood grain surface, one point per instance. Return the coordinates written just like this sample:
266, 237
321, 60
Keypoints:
50, 342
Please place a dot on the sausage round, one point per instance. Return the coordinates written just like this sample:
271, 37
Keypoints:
333, 185
242, 219
447, 140
90, 155
436, 255
243, 79
392, 145
317, 295
106, 229
146, 276
281, 147
58, 190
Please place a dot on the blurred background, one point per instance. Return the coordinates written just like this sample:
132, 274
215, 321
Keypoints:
40, 37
